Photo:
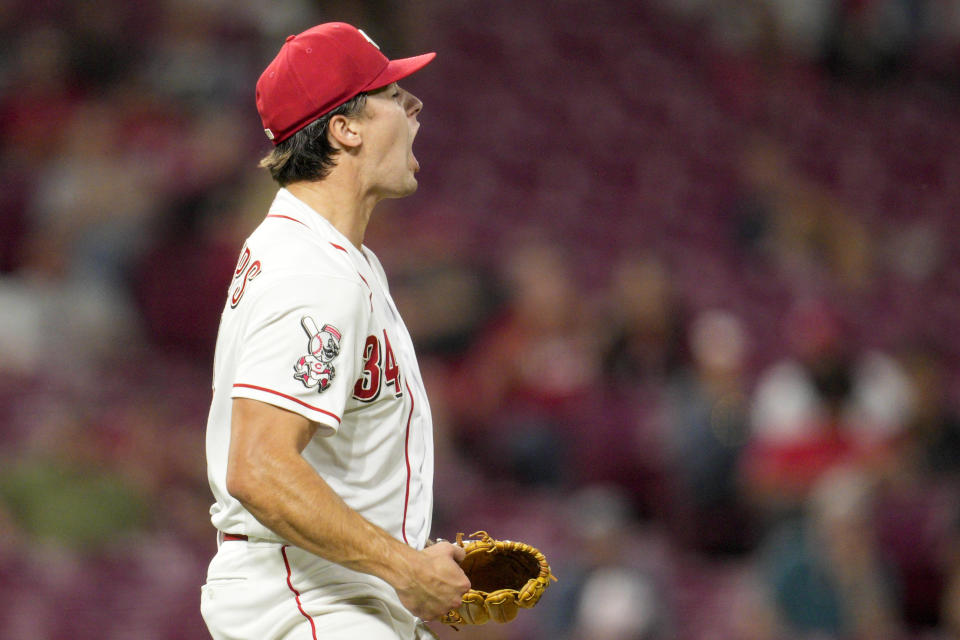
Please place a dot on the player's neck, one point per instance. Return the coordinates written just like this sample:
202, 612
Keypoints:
344, 208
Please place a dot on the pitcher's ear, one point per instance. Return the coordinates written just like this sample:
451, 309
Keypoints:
344, 132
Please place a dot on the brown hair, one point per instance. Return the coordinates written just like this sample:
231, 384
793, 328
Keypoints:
308, 154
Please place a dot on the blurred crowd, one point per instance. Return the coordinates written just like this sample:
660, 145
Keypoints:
682, 277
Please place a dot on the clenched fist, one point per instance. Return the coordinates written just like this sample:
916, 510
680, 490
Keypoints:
435, 582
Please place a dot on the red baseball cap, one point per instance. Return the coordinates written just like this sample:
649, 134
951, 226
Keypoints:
320, 69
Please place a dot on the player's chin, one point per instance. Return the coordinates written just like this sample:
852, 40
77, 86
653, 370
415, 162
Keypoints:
409, 187
410, 184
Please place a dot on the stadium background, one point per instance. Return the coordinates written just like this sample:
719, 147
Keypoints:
682, 274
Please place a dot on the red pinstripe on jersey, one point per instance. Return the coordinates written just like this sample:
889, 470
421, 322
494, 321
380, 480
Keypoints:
283, 395
296, 594
368, 289
277, 215
406, 454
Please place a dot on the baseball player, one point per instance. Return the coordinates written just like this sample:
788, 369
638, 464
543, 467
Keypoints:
319, 438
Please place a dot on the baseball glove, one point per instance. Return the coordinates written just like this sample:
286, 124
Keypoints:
504, 576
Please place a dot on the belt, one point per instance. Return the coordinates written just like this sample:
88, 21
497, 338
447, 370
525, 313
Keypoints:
234, 537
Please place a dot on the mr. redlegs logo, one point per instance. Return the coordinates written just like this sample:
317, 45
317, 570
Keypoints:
316, 368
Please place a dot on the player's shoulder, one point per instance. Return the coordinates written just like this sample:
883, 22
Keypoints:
278, 269
291, 248
293, 252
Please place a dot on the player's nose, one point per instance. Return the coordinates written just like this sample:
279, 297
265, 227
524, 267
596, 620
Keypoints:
412, 104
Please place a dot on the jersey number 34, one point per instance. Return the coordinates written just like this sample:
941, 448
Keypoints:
379, 369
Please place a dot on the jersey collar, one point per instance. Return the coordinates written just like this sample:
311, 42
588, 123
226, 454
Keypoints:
290, 206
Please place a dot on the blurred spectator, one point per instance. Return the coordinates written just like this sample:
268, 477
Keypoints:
857, 40
529, 366
13, 203
707, 424
931, 439
916, 505
615, 589
449, 300
87, 219
825, 570
61, 330
35, 98
913, 526
180, 278
940, 44
104, 42
870, 40
795, 226
38, 93
445, 293
643, 341
205, 56
949, 603
60, 492
824, 405
91, 208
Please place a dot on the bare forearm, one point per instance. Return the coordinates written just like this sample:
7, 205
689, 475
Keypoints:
289, 498
268, 475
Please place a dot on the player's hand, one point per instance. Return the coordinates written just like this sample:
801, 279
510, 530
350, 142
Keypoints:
436, 582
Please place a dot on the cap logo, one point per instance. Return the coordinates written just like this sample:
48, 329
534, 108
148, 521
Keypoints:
369, 39
269, 134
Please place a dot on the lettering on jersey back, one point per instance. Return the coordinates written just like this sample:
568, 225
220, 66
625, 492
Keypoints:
247, 269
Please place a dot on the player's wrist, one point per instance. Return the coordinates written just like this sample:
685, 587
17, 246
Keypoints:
395, 564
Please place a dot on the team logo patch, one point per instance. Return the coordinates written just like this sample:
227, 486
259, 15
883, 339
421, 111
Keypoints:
316, 368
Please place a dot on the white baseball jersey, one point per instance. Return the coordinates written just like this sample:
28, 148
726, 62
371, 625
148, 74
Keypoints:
309, 326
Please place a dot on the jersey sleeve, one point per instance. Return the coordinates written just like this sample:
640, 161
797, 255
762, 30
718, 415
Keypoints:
301, 347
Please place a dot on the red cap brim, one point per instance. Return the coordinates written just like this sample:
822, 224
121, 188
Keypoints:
399, 69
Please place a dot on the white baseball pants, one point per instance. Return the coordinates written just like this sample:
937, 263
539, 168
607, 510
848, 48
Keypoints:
259, 590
